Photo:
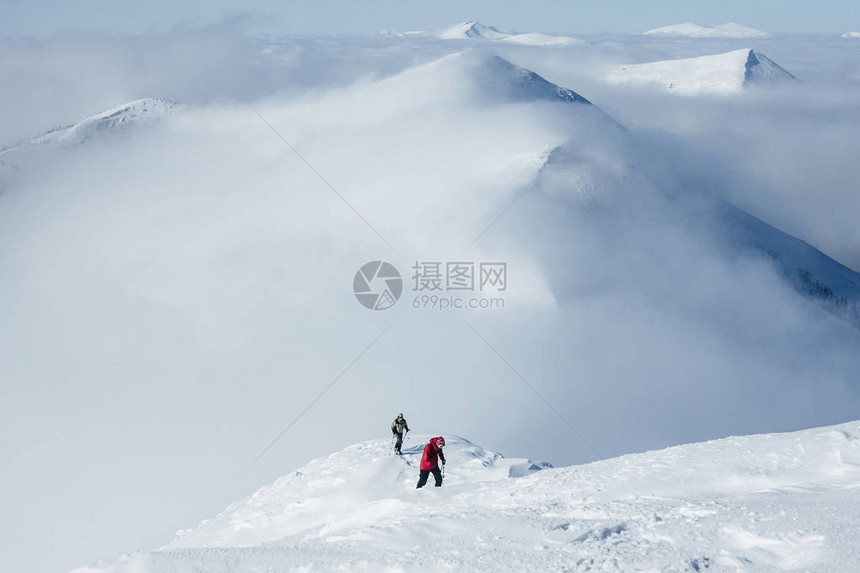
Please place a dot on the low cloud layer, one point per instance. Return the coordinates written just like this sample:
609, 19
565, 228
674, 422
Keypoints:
175, 294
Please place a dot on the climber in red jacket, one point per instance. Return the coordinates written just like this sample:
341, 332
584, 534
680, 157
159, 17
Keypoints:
430, 462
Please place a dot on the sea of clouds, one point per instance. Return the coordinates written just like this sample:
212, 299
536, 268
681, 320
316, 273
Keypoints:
174, 295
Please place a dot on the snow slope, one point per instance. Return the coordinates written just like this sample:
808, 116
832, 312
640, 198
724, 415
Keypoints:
325, 492
772, 502
808, 270
132, 113
497, 79
690, 30
718, 74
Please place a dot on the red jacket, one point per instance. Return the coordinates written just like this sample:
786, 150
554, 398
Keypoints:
432, 454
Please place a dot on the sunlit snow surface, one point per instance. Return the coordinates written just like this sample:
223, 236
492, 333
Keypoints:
719, 74
132, 113
769, 502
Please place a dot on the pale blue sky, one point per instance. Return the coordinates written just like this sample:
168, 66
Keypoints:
43, 17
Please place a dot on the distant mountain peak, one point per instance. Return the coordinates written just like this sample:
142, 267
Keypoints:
691, 30
520, 83
472, 29
760, 68
717, 74
131, 113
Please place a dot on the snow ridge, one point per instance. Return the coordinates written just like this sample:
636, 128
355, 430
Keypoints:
718, 74
809, 271
492, 78
761, 69
325, 492
132, 113
754, 503
527, 85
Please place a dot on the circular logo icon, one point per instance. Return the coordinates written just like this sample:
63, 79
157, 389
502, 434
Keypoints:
377, 285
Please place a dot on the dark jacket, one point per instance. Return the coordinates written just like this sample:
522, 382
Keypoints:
398, 427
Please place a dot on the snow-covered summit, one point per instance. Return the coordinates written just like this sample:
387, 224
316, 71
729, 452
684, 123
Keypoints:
755, 503
487, 77
132, 113
477, 31
326, 494
471, 29
718, 74
758, 68
499, 75
851, 35
691, 30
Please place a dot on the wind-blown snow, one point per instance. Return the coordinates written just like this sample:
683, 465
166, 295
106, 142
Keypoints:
754, 503
719, 74
851, 35
690, 30
326, 492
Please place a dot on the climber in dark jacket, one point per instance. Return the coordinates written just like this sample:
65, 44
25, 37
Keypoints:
399, 427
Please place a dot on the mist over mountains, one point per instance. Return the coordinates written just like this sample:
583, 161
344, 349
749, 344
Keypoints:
177, 277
